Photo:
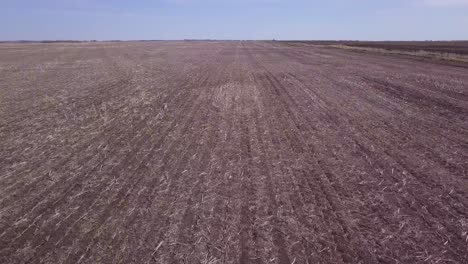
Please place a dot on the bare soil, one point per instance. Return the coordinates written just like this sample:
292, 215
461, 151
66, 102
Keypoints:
454, 47
230, 152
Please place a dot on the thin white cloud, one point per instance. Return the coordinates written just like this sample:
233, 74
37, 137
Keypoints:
444, 3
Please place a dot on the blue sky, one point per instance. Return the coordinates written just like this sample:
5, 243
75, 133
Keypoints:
234, 19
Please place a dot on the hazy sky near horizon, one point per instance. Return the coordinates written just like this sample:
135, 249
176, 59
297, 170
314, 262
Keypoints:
234, 19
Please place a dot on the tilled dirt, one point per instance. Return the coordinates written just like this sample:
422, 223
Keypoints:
230, 152
451, 47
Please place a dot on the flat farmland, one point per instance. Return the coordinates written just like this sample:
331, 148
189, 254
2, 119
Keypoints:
230, 152
447, 47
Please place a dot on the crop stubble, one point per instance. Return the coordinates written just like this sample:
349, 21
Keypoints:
230, 152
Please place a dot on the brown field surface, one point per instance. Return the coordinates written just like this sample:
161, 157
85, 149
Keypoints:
454, 47
230, 152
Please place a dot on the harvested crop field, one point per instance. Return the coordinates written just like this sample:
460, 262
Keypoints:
230, 152
452, 47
